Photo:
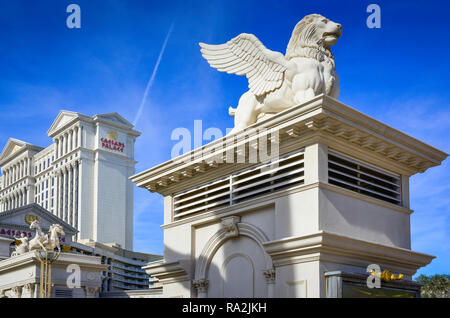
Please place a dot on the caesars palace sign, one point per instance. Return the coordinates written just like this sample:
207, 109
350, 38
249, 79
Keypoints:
111, 142
29, 218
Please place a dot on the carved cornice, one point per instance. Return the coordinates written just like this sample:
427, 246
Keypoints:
166, 271
326, 246
322, 119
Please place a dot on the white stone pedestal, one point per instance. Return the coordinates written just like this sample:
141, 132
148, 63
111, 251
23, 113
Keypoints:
20, 276
336, 200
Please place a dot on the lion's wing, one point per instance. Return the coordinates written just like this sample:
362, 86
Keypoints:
246, 55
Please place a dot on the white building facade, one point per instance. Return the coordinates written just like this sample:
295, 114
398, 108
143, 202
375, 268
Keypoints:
307, 224
82, 177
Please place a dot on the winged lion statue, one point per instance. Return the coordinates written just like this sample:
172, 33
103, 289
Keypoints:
276, 81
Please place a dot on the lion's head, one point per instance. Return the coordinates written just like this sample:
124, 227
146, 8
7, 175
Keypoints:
313, 35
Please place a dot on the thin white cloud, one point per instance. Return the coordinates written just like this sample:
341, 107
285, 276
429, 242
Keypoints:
152, 78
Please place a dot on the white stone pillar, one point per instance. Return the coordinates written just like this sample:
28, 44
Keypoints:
80, 136
55, 143
405, 191
70, 137
57, 193
77, 193
316, 163
74, 139
60, 147
66, 144
74, 171
30, 194
61, 194
77, 139
69, 194
64, 178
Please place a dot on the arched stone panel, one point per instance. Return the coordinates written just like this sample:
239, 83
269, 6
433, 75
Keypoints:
237, 244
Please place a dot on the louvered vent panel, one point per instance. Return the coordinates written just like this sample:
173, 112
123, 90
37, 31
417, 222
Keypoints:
63, 293
203, 198
362, 178
280, 174
284, 173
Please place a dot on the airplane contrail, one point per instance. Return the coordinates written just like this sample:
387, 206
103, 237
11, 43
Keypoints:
152, 78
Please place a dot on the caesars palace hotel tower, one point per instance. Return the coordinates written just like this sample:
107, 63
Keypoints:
82, 177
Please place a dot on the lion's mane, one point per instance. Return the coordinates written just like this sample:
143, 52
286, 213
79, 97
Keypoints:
304, 42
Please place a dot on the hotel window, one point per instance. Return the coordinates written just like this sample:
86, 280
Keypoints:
46, 184
42, 196
46, 194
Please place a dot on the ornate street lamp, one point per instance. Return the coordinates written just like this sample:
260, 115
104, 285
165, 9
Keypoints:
46, 258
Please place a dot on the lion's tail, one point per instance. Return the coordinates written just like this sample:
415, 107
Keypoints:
232, 111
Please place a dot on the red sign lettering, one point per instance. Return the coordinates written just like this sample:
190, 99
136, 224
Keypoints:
112, 144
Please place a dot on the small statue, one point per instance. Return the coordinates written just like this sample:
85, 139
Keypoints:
276, 81
22, 245
46, 242
387, 276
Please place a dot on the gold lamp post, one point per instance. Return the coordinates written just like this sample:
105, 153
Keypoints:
46, 258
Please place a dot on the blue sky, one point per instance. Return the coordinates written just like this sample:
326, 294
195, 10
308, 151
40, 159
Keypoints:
397, 74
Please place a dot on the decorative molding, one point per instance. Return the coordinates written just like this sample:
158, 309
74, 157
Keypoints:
168, 271
29, 288
326, 246
16, 292
230, 223
201, 285
91, 291
269, 275
220, 237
